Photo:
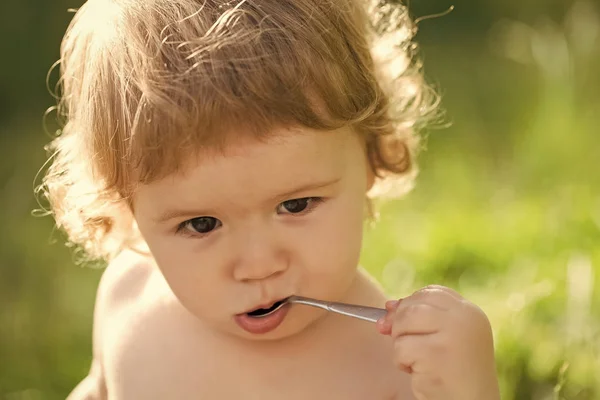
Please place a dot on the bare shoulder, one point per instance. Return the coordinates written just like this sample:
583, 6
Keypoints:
125, 277
123, 280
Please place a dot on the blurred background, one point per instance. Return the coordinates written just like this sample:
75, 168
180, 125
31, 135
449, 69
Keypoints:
506, 209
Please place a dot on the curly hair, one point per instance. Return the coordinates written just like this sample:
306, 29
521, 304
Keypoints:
145, 83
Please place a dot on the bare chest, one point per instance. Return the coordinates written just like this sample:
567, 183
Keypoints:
152, 356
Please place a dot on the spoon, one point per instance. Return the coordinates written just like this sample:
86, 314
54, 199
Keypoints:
365, 313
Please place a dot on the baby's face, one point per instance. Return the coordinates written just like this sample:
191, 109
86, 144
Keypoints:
258, 223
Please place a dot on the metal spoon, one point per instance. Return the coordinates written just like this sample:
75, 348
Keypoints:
370, 314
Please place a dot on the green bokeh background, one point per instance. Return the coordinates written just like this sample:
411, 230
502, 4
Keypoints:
506, 209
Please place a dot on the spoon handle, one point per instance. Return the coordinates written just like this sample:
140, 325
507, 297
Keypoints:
364, 313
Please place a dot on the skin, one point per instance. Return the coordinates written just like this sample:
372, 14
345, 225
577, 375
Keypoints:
164, 323
444, 342
260, 252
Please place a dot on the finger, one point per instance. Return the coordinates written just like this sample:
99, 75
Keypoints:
417, 319
435, 297
446, 289
391, 305
384, 324
407, 350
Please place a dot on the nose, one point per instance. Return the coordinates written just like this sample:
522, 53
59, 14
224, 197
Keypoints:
258, 257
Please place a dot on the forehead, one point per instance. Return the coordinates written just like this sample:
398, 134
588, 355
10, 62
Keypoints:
300, 150
258, 168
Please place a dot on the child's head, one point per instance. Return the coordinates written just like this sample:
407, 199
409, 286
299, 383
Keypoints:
155, 92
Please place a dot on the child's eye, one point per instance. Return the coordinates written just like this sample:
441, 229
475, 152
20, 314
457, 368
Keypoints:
201, 225
299, 206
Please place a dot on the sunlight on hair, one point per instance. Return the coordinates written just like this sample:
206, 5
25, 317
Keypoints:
146, 86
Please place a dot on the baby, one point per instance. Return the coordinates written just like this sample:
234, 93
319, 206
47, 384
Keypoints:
220, 156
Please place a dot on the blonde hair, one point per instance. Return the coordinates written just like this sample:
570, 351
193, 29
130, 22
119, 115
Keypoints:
146, 83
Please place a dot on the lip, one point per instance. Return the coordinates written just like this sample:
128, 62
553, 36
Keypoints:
262, 325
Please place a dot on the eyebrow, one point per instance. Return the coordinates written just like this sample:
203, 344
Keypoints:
179, 213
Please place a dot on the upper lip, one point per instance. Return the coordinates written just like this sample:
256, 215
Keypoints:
266, 305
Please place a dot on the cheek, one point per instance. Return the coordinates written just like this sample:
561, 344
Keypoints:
191, 281
335, 246
174, 255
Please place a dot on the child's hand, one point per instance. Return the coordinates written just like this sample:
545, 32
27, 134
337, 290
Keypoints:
445, 343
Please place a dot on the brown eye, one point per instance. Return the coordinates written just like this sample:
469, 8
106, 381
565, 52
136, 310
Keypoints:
202, 224
299, 206
295, 206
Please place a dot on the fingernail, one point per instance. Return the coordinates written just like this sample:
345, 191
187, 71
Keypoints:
383, 326
391, 304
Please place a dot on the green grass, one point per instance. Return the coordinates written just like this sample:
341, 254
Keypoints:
513, 222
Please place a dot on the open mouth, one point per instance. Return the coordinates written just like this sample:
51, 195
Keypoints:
263, 312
